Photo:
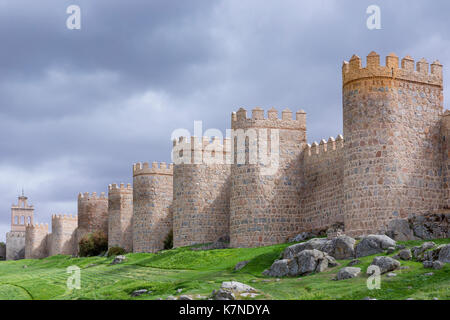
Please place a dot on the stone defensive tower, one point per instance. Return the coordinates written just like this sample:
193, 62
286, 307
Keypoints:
92, 214
152, 200
63, 239
265, 197
446, 159
120, 216
392, 157
36, 239
21, 214
201, 190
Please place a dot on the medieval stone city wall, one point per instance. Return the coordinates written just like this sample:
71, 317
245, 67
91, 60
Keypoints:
392, 156
15, 245
152, 201
201, 191
63, 239
265, 184
446, 159
322, 203
36, 241
265, 198
2, 251
120, 216
92, 214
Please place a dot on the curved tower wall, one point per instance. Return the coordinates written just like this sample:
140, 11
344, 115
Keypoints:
392, 156
92, 214
265, 198
201, 192
120, 216
152, 201
63, 237
36, 239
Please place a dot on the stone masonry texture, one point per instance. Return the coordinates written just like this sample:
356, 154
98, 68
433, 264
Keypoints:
152, 201
201, 194
120, 216
92, 214
63, 237
36, 238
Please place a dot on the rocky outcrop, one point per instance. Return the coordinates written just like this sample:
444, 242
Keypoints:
240, 265
341, 247
404, 254
231, 290
386, 264
444, 253
348, 273
302, 263
373, 244
426, 227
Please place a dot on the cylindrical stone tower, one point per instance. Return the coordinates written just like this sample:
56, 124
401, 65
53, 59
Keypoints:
63, 239
392, 146
36, 241
152, 201
446, 159
120, 216
266, 177
92, 214
201, 191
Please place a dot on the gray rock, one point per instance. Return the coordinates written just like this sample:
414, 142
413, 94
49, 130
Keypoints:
171, 298
282, 268
302, 237
185, 297
390, 250
342, 247
438, 265
428, 264
354, 262
400, 230
118, 259
222, 295
312, 261
348, 273
369, 298
373, 244
312, 244
405, 254
400, 247
429, 274
240, 265
444, 254
139, 292
386, 264
235, 286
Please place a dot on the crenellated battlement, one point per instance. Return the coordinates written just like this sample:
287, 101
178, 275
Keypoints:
203, 149
15, 234
37, 226
317, 149
114, 188
240, 120
156, 168
423, 73
63, 217
86, 196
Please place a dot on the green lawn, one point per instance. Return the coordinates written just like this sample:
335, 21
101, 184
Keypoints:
199, 272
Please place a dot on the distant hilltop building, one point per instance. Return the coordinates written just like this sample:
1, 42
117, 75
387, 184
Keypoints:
393, 160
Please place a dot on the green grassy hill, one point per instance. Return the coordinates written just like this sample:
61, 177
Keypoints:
199, 272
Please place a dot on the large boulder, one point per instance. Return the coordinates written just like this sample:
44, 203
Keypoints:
400, 230
348, 273
385, 264
373, 244
444, 253
419, 251
282, 268
305, 262
235, 286
404, 254
342, 247
312, 244
310, 261
431, 226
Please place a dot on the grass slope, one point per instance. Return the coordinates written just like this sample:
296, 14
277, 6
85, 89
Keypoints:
199, 272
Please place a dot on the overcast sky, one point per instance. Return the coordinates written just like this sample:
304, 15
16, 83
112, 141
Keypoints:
79, 107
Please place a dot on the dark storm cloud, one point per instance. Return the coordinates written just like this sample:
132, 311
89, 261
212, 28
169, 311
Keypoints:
78, 107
